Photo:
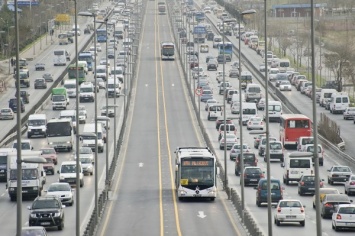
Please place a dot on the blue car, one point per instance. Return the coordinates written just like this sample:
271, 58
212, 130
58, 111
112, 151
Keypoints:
206, 95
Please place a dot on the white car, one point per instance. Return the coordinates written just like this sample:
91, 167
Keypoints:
272, 74
82, 117
344, 217
255, 122
83, 109
210, 102
289, 211
63, 191
86, 157
285, 86
338, 174
349, 185
98, 47
92, 51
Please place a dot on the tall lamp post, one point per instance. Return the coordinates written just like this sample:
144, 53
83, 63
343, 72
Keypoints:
315, 126
247, 12
89, 14
267, 128
77, 194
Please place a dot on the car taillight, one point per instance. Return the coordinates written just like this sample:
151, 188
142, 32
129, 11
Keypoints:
233, 151
321, 184
279, 209
302, 183
328, 205
302, 209
261, 123
338, 217
222, 140
352, 183
249, 123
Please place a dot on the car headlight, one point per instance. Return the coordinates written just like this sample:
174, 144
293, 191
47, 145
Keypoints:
11, 189
89, 167
57, 214
61, 177
35, 188
33, 215
68, 142
29, 129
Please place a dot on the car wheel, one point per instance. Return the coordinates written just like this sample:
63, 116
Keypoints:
300, 192
258, 203
61, 226
278, 222
314, 206
303, 223
346, 192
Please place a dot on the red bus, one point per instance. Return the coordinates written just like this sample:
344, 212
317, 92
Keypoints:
293, 126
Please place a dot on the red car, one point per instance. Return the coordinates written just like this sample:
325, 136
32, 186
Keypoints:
50, 152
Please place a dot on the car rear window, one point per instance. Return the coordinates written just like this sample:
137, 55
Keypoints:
299, 163
273, 185
337, 198
347, 210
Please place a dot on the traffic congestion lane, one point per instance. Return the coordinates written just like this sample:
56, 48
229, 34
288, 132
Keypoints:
46, 57
87, 192
303, 103
291, 191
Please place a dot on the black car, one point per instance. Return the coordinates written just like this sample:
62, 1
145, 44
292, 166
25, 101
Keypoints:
252, 175
208, 58
13, 105
249, 160
307, 185
47, 212
87, 31
210, 36
40, 83
221, 59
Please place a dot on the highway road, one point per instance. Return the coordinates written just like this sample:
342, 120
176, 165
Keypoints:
8, 208
161, 120
260, 214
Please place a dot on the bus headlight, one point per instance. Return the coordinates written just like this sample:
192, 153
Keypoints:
182, 192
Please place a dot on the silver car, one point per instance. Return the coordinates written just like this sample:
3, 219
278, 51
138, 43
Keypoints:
262, 145
349, 186
230, 140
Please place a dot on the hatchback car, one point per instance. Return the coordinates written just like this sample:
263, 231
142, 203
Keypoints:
235, 150
6, 114
331, 202
290, 210
50, 152
307, 185
40, 83
220, 121
49, 166
344, 217
262, 144
229, 141
349, 186
322, 193
349, 113
252, 175
206, 95
285, 86
48, 77
261, 191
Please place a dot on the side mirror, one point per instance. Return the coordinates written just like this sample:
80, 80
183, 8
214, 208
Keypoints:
63, 206
29, 207
282, 165
31, 148
58, 172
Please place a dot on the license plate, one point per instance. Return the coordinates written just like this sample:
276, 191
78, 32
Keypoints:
253, 180
24, 191
36, 132
255, 123
197, 195
290, 217
342, 176
272, 193
350, 224
311, 188
45, 223
294, 172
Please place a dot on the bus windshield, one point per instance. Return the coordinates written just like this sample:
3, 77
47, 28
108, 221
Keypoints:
198, 175
59, 129
85, 57
72, 72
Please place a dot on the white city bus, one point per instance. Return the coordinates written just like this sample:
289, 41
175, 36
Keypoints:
60, 134
195, 173
167, 51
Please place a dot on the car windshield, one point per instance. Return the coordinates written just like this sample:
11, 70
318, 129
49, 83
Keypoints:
32, 232
48, 151
68, 169
40, 204
85, 151
341, 169
85, 160
59, 187
24, 146
253, 171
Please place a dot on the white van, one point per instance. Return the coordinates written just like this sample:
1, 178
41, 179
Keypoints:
71, 114
104, 120
324, 95
253, 92
275, 111
67, 173
37, 125
339, 102
284, 64
101, 136
70, 85
111, 90
248, 110
86, 92
295, 167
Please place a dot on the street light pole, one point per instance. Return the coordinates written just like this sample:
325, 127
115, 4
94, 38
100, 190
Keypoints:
18, 126
224, 111
315, 126
77, 194
247, 12
107, 151
267, 128
89, 14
